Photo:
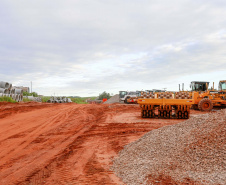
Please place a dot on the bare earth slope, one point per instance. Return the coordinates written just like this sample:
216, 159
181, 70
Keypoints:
191, 152
66, 143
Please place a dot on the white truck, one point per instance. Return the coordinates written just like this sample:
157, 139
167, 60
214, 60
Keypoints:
125, 95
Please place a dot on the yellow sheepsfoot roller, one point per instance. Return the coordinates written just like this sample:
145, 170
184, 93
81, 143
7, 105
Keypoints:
164, 107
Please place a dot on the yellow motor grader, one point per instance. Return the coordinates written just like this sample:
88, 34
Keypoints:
177, 104
209, 98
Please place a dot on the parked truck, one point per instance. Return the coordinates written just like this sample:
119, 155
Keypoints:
127, 96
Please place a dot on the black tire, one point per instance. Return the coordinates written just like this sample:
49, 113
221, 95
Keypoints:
126, 100
205, 104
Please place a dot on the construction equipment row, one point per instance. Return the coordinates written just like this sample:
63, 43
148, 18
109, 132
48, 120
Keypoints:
177, 104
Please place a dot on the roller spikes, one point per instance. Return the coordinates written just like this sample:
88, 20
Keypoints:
147, 95
165, 111
166, 95
183, 95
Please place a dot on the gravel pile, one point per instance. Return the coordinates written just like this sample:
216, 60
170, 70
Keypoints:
191, 152
113, 99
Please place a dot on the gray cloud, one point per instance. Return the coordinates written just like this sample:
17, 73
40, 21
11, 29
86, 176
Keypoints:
110, 45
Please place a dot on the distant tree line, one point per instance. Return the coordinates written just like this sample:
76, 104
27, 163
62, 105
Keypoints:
104, 95
34, 94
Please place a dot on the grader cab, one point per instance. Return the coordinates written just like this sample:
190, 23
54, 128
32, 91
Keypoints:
199, 86
222, 86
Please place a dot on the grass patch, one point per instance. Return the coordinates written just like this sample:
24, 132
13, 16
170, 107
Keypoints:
78, 100
45, 99
7, 99
26, 100
82, 100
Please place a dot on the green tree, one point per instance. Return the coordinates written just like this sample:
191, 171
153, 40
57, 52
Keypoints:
104, 95
30, 94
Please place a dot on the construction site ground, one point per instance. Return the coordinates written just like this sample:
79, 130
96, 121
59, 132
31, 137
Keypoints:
67, 143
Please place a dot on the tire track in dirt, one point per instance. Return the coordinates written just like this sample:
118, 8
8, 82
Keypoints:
69, 144
16, 126
79, 128
30, 137
39, 176
96, 148
10, 153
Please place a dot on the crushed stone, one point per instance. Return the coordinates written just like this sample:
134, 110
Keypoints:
191, 152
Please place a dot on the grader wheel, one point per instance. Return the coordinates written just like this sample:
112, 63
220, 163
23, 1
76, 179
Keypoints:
205, 105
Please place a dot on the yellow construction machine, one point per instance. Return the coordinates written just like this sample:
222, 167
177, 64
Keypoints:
166, 104
209, 98
177, 104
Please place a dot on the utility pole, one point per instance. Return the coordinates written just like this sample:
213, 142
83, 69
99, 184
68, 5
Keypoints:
31, 86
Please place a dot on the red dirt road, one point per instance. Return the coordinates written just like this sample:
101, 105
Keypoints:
67, 143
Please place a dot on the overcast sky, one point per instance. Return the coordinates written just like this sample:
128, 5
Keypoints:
85, 47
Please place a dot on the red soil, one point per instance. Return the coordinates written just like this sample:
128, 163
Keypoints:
67, 143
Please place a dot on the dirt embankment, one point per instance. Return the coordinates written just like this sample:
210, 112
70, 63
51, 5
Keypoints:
67, 143
8, 109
